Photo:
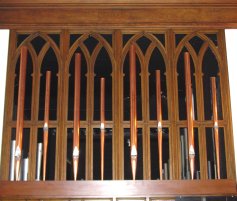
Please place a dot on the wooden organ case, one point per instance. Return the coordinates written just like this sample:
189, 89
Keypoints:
129, 99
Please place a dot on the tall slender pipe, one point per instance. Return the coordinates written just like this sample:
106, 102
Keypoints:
215, 121
46, 121
102, 124
20, 111
159, 120
76, 130
188, 85
133, 110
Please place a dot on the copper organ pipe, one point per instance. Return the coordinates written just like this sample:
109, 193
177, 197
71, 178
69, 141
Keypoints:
76, 128
102, 124
159, 119
215, 121
133, 112
46, 121
189, 107
20, 111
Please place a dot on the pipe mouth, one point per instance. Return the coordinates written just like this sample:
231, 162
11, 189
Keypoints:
159, 125
18, 152
45, 127
75, 153
133, 151
191, 152
216, 124
102, 126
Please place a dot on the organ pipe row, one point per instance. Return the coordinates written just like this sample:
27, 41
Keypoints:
17, 145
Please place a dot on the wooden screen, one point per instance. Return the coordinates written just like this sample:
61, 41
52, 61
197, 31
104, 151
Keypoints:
106, 54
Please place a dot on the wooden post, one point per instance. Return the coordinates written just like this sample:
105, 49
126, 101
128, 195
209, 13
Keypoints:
102, 124
76, 129
20, 111
159, 120
188, 85
215, 121
133, 110
46, 121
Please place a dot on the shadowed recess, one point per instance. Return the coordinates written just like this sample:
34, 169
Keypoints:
49, 63
126, 89
182, 88
103, 68
157, 63
83, 88
210, 68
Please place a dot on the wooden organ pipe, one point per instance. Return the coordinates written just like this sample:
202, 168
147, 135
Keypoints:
133, 112
20, 111
76, 127
188, 85
159, 120
46, 121
102, 124
215, 121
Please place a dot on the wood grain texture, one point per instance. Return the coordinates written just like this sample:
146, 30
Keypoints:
46, 121
147, 2
132, 16
86, 189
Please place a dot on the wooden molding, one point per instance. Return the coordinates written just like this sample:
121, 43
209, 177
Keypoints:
102, 189
116, 2
120, 14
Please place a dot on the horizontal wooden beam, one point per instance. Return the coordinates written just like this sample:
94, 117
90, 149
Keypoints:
68, 2
118, 17
110, 189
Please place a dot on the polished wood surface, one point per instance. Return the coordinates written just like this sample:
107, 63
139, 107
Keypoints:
86, 189
215, 122
179, 15
20, 111
102, 125
189, 110
76, 125
159, 120
166, 2
46, 121
133, 109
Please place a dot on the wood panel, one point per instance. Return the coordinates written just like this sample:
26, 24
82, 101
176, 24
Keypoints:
131, 16
99, 189
166, 2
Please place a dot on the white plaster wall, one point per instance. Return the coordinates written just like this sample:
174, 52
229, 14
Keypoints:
231, 44
4, 43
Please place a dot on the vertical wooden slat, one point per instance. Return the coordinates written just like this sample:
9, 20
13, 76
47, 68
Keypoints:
146, 157
173, 111
200, 114
90, 109
62, 126
118, 134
